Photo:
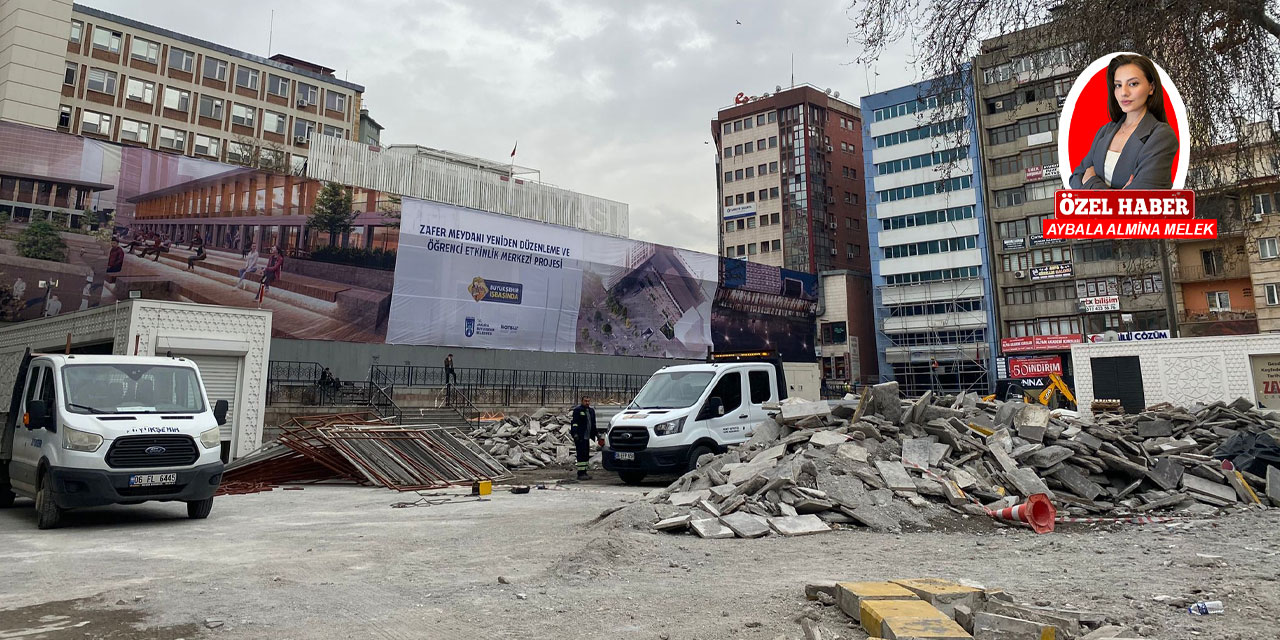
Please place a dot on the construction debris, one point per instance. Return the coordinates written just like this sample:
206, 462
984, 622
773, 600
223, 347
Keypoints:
532, 441
362, 449
902, 462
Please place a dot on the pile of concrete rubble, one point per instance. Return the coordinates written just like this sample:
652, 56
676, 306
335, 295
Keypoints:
531, 441
883, 462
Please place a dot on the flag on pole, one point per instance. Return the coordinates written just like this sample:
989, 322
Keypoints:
513, 149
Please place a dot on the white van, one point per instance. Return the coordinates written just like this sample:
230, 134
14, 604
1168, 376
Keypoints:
686, 411
86, 430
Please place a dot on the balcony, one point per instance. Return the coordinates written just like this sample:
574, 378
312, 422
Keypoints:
1194, 324
1231, 270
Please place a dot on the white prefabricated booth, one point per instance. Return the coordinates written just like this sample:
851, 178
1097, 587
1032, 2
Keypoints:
1180, 371
230, 345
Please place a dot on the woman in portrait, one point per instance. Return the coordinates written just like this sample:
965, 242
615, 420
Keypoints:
1136, 149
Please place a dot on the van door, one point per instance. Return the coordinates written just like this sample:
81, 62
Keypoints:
28, 443
762, 388
731, 427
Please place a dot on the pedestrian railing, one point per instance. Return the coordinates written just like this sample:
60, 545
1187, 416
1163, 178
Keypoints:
510, 387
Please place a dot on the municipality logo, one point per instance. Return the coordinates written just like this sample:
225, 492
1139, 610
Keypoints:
470, 328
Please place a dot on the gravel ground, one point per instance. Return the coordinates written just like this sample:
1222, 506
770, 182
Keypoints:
339, 562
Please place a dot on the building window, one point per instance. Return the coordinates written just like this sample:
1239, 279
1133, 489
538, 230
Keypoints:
760, 144
751, 248
1009, 197
308, 94
728, 201
92, 122
77, 31
751, 222
835, 333
277, 85
1265, 203
181, 59
1219, 300
247, 78
106, 39
145, 50
302, 130
69, 77
335, 101
764, 221
751, 197
173, 139
1273, 295
773, 192
1267, 248
728, 127
215, 69
102, 81
742, 224
242, 114
728, 226
64, 117
728, 176
737, 150
748, 147
739, 199
749, 172
273, 122
135, 131
1002, 135
738, 174
177, 99
764, 194
775, 218
773, 116
773, 167
206, 146
773, 140
337, 132
764, 247
210, 107
737, 125
140, 90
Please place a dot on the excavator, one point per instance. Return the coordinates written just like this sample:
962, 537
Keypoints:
1052, 396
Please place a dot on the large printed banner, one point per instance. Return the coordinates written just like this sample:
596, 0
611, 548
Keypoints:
468, 278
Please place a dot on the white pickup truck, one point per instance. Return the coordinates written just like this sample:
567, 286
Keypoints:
89, 430
689, 410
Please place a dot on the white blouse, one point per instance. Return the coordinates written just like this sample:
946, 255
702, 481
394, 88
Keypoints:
1109, 168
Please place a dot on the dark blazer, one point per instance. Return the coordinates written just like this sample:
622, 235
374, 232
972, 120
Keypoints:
1147, 157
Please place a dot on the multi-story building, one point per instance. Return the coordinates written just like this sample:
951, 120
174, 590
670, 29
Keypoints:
787, 175
1051, 293
927, 230
99, 75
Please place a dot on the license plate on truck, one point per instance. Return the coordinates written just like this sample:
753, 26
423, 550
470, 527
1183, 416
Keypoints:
624, 455
153, 479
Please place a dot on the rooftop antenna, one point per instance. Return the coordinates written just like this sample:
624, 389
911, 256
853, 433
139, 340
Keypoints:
793, 70
271, 31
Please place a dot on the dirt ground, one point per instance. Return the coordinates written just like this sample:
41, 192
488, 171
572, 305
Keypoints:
341, 562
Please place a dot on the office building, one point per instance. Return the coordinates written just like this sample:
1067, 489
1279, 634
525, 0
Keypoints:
88, 72
927, 229
1051, 293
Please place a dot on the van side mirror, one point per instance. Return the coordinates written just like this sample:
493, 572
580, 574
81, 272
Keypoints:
37, 415
714, 407
719, 407
220, 412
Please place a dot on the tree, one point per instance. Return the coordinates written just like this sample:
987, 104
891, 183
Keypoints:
260, 154
10, 304
40, 241
332, 212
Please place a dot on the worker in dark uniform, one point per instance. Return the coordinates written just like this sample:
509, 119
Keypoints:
584, 431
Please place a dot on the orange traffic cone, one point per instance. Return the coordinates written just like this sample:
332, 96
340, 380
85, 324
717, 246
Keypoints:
1037, 511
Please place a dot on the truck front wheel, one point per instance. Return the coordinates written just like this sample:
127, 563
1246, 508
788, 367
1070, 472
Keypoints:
698, 452
48, 514
199, 509
631, 477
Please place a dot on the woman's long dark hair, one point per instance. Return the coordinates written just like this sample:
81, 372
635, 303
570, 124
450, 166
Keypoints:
1155, 102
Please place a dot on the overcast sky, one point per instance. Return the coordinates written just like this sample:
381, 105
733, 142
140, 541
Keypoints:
613, 99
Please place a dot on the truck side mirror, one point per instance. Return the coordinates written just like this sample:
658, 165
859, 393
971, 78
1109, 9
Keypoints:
719, 407
713, 408
220, 412
37, 415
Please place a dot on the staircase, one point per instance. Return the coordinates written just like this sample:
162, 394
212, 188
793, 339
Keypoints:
444, 416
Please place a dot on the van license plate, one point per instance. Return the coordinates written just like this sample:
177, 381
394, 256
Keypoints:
153, 479
624, 455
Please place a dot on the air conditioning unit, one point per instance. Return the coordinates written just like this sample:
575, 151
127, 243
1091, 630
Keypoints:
301, 139
829, 149
834, 252
1257, 217
1020, 274
835, 226
302, 102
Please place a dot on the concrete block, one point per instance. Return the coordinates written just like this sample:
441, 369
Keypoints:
887, 402
686, 498
1155, 429
1078, 483
851, 595
942, 594
722, 490
938, 451
989, 626
1031, 415
828, 587
672, 524
854, 452
1200, 487
1005, 414
955, 496
1000, 439
801, 525
1003, 459
913, 619
916, 452
796, 411
962, 478
963, 616
895, 475
709, 507
1031, 433
1067, 625
1049, 456
828, 439
1027, 483
711, 528
1104, 633
746, 525
1166, 473
1273, 485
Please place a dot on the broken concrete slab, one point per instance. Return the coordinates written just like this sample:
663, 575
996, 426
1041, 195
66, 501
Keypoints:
1155, 429
1202, 488
801, 525
887, 401
990, 626
916, 452
672, 524
852, 451
828, 587
1003, 460
1027, 483
796, 411
1031, 415
686, 498
746, 525
1078, 483
828, 439
895, 475
1006, 413
711, 528
1273, 485
1166, 473
1048, 456
1066, 624
1242, 488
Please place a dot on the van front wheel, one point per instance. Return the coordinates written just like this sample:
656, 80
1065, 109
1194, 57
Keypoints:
631, 477
698, 452
199, 509
48, 515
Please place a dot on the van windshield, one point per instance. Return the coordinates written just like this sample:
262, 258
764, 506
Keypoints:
131, 388
675, 390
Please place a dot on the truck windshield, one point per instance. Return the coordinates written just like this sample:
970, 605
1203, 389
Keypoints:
131, 388
674, 390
